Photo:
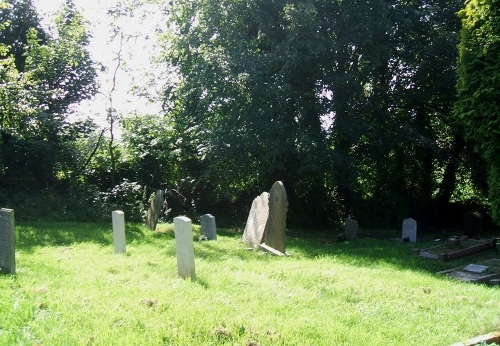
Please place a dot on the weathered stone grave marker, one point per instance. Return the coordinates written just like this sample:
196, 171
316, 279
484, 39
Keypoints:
351, 229
208, 228
7, 242
184, 247
118, 218
274, 232
409, 230
256, 222
155, 209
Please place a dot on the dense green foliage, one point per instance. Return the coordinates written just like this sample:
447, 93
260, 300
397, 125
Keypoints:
350, 103
479, 86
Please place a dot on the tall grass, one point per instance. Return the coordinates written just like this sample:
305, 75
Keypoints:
72, 289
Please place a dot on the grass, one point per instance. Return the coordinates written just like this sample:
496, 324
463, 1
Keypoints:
72, 289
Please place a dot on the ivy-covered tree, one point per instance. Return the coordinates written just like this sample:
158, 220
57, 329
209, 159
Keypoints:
479, 87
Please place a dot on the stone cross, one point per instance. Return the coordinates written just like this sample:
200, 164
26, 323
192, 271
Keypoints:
351, 229
274, 233
256, 222
184, 247
208, 226
410, 230
118, 218
7, 242
155, 209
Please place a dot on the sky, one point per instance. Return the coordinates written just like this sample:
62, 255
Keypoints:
103, 49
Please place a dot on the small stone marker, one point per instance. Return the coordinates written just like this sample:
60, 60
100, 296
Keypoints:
7, 242
208, 226
155, 209
410, 230
256, 222
274, 233
118, 218
184, 247
351, 229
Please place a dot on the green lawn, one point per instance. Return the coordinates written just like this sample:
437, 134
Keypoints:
72, 289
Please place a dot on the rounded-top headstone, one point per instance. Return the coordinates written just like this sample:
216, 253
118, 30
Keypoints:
274, 233
256, 222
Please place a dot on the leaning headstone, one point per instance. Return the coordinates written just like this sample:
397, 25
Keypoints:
118, 218
208, 227
184, 247
409, 230
351, 229
274, 233
256, 222
155, 209
7, 242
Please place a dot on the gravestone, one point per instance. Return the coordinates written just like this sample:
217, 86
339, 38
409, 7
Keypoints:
118, 218
7, 242
155, 208
256, 222
184, 247
409, 230
274, 232
351, 229
208, 226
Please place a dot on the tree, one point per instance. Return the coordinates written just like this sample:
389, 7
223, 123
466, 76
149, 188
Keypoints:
37, 89
479, 87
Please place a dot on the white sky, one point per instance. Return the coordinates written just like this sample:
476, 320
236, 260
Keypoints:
136, 53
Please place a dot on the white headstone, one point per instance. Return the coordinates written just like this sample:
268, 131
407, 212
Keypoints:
256, 222
410, 230
7, 242
208, 226
184, 247
118, 218
351, 229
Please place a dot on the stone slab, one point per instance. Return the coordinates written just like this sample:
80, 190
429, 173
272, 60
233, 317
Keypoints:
269, 249
257, 219
208, 228
155, 209
184, 247
118, 218
274, 233
7, 242
351, 229
409, 230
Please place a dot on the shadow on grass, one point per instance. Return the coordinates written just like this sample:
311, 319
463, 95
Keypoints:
35, 234
364, 252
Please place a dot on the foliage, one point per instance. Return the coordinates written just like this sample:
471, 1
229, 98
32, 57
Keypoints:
479, 87
347, 116
36, 89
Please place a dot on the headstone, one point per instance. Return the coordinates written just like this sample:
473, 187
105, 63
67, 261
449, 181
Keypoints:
155, 209
7, 242
472, 224
208, 226
184, 247
409, 230
118, 218
256, 222
351, 229
274, 233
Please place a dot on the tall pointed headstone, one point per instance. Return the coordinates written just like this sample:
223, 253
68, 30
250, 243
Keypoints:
274, 233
